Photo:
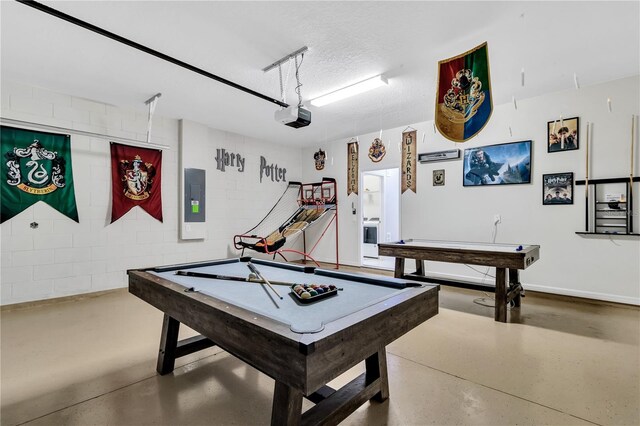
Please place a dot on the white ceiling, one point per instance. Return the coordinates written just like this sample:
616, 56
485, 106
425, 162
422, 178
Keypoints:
348, 41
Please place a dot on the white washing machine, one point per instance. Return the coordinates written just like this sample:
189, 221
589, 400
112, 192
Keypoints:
370, 237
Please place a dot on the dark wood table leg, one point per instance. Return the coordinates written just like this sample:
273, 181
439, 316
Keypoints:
399, 270
501, 295
514, 280
168, 344
287, 406
420, 267
376, 366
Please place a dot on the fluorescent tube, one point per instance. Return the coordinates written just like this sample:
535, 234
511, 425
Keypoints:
347, 92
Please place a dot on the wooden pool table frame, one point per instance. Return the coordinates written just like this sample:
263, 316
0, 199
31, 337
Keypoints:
300, 364
507, 266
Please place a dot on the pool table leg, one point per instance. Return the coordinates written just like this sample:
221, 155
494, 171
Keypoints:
168, 345
287, 406
399, 270
376, 368
420, 267
501, 295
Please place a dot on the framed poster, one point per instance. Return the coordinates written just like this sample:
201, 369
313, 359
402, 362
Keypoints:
562, 135
501, 164
557, 188
438, 177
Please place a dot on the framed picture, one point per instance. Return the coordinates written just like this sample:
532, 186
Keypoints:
502, 164
562, 135
557, 188
438, 177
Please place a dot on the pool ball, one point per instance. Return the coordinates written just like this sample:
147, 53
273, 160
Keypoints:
319, 290
305, 295
313, 293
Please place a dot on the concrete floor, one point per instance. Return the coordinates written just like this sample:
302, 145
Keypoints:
91, 361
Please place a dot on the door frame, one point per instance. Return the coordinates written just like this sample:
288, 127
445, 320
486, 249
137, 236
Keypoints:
383, 200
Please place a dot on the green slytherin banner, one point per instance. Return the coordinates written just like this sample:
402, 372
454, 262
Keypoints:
36, 167
463, 102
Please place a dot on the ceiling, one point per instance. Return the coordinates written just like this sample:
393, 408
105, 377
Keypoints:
348, 42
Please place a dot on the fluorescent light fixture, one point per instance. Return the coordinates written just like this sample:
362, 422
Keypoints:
347, 92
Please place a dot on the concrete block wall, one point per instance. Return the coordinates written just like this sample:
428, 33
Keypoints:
62, 257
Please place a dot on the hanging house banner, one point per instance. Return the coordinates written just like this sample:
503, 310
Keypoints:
352, 168
36, 167
136, 180
463, 102
409, 161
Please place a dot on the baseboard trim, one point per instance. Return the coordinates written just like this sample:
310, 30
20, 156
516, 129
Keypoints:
540, 289
57, 300
601, 297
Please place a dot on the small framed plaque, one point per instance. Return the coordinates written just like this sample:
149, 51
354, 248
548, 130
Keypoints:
438, 177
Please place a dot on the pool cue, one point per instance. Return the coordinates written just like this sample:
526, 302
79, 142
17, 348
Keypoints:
229, 278
633, 137
586, 184
255, 271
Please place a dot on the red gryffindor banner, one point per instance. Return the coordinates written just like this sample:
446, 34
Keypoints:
136, 180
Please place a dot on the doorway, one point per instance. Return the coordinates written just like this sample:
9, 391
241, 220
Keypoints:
380, 207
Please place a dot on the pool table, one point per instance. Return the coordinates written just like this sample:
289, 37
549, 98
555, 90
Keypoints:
508, 259
302, 346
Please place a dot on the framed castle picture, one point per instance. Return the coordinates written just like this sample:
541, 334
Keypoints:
502, 164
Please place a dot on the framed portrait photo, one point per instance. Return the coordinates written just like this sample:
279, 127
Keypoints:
563, 135
502, 164
557, 188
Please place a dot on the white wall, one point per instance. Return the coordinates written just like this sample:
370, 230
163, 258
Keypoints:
63, 258
598, 267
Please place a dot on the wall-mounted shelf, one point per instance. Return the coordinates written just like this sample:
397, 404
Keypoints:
605, 221
624, 234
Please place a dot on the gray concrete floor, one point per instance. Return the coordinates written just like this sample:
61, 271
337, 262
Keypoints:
91, 361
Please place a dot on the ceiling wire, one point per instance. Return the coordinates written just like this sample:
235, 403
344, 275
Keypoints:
298, 84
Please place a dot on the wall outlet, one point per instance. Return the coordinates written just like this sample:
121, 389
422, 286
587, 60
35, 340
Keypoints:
497, 219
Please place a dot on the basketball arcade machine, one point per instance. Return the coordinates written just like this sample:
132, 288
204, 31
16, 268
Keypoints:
314, 201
